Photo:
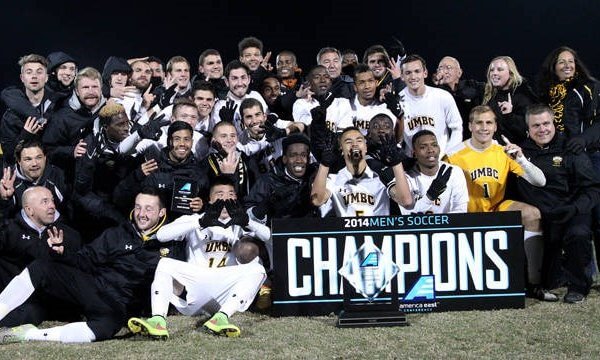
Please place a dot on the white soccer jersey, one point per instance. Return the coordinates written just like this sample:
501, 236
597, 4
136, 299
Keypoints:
365, 196
362, 114
237, 118
132, 103
436, 111
453, 200
339, 113
210, 247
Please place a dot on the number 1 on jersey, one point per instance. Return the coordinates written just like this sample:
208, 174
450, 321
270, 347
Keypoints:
486, 191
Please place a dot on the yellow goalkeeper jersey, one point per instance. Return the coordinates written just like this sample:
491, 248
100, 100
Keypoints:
486, 172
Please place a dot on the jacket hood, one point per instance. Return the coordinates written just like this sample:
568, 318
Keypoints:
75, 103
57, 58
114, 64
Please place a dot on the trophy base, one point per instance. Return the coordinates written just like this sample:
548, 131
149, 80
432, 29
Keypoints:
371, 319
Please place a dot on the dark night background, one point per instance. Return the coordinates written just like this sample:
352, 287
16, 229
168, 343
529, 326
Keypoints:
472, 31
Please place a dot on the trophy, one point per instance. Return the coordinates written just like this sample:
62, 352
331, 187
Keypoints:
367, 272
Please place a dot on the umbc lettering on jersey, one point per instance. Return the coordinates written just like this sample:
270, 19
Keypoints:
217, 246
420, 121
484, 171
461, 262
359, 198
362, 124
331, 126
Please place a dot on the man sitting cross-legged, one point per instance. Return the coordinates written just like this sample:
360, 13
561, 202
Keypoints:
222, 274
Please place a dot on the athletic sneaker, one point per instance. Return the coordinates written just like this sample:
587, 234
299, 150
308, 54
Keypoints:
15, 334
573, 297
263, 302
154, 327
538, 292
219, 325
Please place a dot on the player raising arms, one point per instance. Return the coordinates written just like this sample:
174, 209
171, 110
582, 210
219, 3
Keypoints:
356, 190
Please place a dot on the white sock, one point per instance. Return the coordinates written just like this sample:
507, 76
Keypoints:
18, 290
161, 292
527, 234
534, 252
78, 332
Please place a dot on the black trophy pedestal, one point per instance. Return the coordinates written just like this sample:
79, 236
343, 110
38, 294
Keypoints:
371, 318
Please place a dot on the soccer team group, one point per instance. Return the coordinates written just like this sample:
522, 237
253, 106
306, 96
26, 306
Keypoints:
140, 191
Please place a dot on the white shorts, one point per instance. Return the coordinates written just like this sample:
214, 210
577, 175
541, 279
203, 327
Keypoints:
210, 288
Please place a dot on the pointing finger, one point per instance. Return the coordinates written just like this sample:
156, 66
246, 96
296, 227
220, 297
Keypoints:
505, 139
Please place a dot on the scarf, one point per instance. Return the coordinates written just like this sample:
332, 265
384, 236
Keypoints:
557, 94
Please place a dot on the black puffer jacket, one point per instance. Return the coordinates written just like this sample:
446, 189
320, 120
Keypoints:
69, 124
19, 108
162, 179
53, 179
122, 262
570, 178
20, 244
297, 204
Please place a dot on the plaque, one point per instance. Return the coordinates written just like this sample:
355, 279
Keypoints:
183, 192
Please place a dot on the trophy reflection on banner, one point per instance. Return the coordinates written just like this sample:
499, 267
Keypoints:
368, 272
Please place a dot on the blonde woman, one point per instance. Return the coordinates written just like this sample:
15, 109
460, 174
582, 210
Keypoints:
508, 94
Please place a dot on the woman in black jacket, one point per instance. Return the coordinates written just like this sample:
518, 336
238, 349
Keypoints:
508, 94
566, 85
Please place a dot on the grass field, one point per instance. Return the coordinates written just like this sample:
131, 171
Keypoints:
540, 331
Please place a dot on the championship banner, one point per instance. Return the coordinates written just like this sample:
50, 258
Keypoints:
446, 262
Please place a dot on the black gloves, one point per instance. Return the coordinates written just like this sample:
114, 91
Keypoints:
562, 214
438, 185
164, 99
319, 113
325, 100
95, 148
211, 214
234, 209
219, 149
392, 101
575, 145
386, 175
272, 132
329, 152
391, 154
319, 116
237, 213
151, 129
396, 48
227, 112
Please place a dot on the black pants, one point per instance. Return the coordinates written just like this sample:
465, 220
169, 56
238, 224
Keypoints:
104, 315
574, 239
38, 309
